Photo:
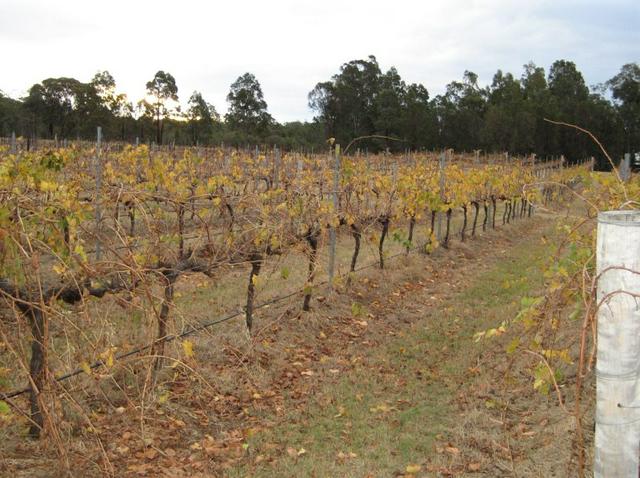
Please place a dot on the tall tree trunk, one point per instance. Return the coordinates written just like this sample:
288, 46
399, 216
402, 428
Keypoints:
158, 128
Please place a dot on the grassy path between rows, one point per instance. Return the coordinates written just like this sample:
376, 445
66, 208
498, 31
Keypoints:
391, 409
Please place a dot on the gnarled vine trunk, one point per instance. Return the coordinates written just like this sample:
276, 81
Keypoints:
163, 319
412, 225
486, 215
464, 223
445, 243
312, 241
385, 229
37, 367
355, 232
256, 264
476, 208
493, 212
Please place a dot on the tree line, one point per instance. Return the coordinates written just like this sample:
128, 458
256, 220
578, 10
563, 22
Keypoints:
68, 108
506, 116
359, 100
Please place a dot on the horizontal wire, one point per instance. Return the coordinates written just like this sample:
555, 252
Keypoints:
203, 326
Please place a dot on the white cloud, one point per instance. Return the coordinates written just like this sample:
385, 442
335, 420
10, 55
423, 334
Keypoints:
291, 45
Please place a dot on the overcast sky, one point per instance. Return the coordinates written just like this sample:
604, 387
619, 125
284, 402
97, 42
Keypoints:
291, 45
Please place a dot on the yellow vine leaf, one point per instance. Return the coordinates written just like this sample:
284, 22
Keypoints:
187, 347
85, 367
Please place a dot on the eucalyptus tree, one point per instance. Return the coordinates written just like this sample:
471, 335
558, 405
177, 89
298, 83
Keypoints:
625, 88
247, 107
201, 117
162, 89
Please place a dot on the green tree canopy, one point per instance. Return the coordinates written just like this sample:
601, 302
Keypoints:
625, 88
247, 106
460, 113
359, 100
201, 117
347, 104
161, 89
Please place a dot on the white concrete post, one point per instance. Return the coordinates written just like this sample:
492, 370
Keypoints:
625, 167
617, 437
